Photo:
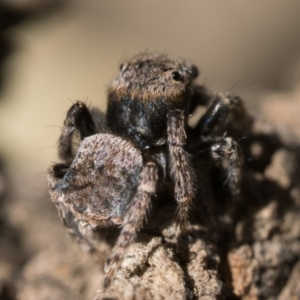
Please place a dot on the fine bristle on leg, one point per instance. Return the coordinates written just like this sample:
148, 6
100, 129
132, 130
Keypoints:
181, 170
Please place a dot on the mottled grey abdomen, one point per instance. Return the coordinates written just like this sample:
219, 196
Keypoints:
102, 179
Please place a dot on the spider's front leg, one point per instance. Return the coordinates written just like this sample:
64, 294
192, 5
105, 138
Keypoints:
181, 170
78, 118
134, 218
226, 113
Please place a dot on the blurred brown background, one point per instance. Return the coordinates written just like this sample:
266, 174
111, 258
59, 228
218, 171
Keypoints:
53, 52
75, 51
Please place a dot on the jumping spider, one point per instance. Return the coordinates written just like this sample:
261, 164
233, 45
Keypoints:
142, 145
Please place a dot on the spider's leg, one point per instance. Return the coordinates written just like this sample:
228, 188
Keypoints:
226, 113
200, 96
78, 118
227, 154
181, 170
134, 218
55, 174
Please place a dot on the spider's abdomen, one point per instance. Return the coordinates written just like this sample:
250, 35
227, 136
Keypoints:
102, 180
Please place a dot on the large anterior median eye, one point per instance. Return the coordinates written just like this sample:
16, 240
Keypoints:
176, 76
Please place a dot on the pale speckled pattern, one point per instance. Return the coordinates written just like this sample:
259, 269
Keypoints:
102, 180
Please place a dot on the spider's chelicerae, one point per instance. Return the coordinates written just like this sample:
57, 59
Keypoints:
143, 145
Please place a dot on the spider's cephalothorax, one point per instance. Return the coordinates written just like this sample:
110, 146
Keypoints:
139, 99
145, 140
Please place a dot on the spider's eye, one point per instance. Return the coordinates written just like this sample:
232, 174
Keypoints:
121, 67
176, 76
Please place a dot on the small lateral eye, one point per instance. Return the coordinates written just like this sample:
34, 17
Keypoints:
121, 67
176, 76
